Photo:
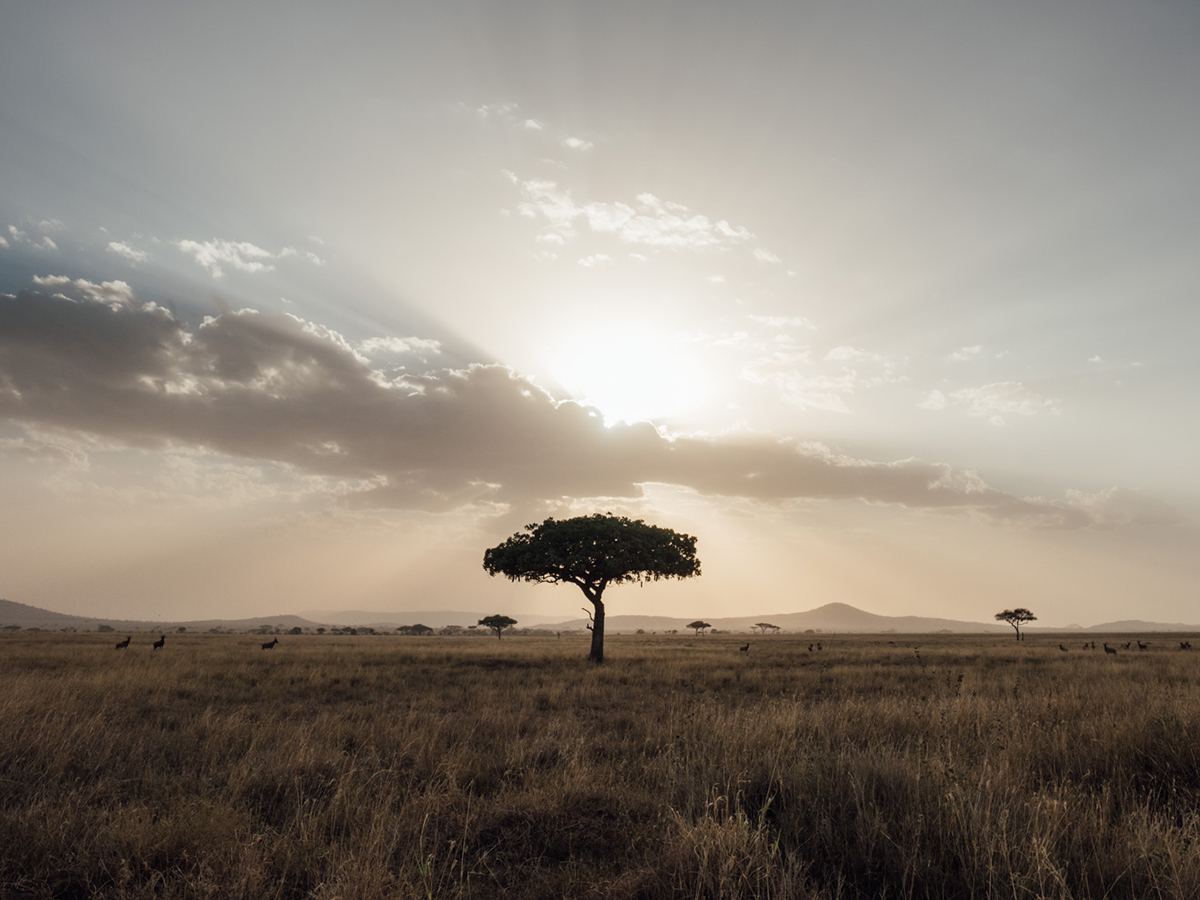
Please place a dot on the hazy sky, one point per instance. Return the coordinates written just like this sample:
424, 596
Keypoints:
893, 304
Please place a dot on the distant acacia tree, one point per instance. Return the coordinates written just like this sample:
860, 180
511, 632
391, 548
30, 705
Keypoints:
592, 552
1016, 618
497, 623
764, 627
699, 625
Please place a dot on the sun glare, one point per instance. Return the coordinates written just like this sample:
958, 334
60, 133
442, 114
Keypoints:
630, 374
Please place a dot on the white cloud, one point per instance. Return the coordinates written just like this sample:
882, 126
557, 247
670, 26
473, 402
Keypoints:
965, 354
399, 345
108, 292
765, 256
935, 400
1095, 359
648, 222
22, 237
497, 110
574, 143
532, 125
3, 241
783, 321
596, 259
215, 254
122, 249
1004, 398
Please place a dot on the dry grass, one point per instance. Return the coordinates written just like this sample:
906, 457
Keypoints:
370, 767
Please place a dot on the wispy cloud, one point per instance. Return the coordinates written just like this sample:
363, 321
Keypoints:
215, 254
122, 249
994, 401
577, 144
966, 354
648, 221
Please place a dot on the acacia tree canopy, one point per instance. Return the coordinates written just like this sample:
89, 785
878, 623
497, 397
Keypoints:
699, 625
499, 623
593, 552
1016, 618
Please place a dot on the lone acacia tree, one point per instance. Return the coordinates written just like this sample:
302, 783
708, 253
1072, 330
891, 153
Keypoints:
1016, 618
699, 625
592, 552
499, 623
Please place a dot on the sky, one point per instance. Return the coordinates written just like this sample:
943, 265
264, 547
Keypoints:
304, 306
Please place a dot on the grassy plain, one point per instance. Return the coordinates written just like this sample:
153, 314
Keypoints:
378, 767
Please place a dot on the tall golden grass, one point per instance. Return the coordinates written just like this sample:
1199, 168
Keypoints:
379, 767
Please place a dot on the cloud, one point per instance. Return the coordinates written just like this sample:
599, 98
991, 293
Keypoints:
109, 292
1117, 506
215, 254
399, 345
783, 321
1004, 398
765, 256
965, 354
45, 242
532, 125
122, 249
648, 221
823, 385
596, 259
280, 389
579, 144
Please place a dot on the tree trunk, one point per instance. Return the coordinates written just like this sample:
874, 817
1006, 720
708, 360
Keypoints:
597, 654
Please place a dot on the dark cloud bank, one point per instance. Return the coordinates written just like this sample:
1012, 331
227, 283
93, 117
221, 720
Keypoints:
278, 388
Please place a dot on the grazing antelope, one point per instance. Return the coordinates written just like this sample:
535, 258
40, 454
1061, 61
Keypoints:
810, 648
746, 648
161, 642
818, 645
270, 645
1127, 644
1062, 648
1112, 650
121, 645
1142, 646
1185, 645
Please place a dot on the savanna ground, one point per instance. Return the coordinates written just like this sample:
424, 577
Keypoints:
378, 767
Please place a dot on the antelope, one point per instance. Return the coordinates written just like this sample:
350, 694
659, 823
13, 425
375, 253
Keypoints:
161, 642
746, 648
1112, 650
269, 645
1185, 645
121, 645
1127, 644
818, 645
1142, 646
1062, 648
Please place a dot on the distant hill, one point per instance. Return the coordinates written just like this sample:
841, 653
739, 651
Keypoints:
25, 616
835, 618
840, 618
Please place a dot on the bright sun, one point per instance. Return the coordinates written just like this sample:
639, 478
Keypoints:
630, 374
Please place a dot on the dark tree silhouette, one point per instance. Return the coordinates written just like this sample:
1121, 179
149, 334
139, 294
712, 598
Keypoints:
592, 552
699, 625
497, 623
1016, 618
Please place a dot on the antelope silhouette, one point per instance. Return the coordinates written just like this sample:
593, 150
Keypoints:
1127, 644
1142, 646
161, 642
1112, 650
1185, 645
746, 648
270, 645
121, 645
1062, 648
